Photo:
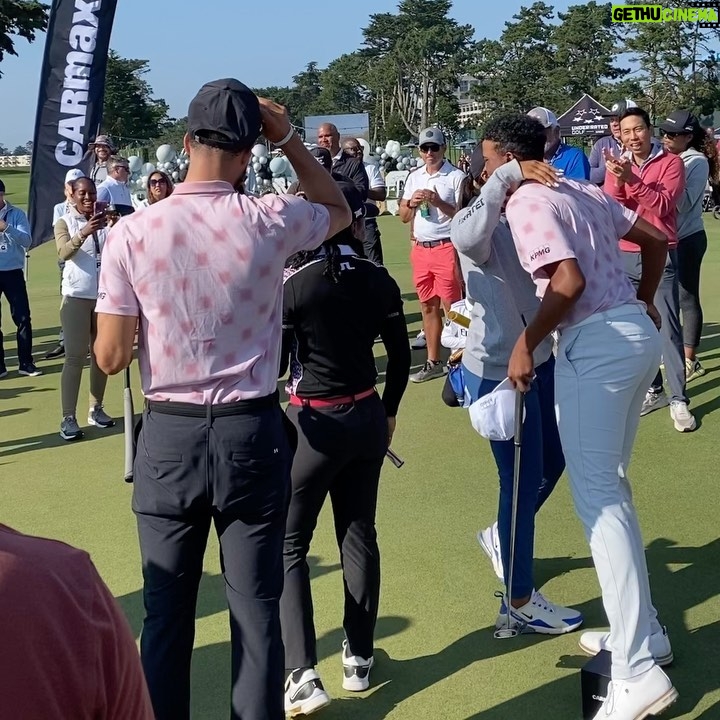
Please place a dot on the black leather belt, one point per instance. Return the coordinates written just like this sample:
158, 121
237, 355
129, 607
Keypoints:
239, 407
431, 243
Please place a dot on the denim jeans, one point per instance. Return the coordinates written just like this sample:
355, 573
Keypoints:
541, 465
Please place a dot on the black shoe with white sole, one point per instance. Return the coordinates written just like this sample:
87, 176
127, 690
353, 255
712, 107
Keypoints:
304, 693
56, 352
29, 370
356, 670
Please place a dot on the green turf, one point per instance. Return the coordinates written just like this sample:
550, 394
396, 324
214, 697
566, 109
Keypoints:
436, 657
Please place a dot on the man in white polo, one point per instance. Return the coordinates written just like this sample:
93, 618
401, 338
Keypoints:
430, 200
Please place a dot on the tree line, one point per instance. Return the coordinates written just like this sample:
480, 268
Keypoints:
406, 72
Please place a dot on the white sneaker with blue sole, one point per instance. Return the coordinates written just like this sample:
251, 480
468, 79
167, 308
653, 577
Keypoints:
540, 616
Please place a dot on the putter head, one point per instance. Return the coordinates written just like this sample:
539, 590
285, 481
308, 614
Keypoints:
504, 633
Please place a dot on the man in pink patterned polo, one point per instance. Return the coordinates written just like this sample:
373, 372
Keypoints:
201, 275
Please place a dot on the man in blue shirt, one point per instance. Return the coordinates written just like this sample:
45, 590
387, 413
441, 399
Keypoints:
571, 160
14, 242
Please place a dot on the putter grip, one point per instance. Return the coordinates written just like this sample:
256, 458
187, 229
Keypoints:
394, 459
129, 428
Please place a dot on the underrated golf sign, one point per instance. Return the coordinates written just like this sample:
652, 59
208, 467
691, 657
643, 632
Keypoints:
705, 14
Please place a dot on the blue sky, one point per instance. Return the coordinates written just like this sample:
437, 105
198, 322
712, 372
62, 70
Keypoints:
197, 42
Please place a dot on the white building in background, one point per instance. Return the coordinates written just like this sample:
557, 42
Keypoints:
15, 160
471, 108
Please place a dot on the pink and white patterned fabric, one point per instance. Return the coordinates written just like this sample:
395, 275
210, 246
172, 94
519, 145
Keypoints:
203, 272
576, 220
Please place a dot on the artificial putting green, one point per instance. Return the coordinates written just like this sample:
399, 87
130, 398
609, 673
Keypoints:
436, 656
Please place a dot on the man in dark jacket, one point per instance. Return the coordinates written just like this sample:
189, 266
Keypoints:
329, 137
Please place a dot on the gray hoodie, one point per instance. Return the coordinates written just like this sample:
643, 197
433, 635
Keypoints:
697, 171
503, 295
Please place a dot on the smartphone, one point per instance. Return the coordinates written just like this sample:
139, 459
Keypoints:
100, 207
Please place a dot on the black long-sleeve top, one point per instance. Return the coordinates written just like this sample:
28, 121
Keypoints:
329, 329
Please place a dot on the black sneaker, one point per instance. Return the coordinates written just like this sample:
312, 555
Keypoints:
30, 370
56, 352
304, 693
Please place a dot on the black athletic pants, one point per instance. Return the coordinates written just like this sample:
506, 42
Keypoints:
691, 250
340, 452
13, 287
232, 470
372, 243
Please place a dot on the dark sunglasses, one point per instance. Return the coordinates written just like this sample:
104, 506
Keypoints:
158, 181
673, 135
353, 149
430, 147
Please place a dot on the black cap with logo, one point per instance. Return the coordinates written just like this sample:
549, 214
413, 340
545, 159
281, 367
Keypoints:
225, 107
680, 121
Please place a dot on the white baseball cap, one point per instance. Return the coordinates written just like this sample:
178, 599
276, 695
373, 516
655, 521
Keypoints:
547, 118
493, 415
73, 175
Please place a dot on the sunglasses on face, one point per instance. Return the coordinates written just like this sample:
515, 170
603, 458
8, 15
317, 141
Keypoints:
158, 181
672, 135
430, 147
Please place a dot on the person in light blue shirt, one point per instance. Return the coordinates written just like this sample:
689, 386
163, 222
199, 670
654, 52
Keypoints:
15, 241
571, 160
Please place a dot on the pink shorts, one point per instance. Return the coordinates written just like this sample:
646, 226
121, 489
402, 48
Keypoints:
435, 272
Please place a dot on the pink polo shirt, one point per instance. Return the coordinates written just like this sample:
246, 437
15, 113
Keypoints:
576, 220
203, 272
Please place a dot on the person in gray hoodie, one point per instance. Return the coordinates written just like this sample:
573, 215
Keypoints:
504, 302
683, 136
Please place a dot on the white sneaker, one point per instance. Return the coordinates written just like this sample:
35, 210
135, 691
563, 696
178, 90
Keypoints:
490, 543
540, 616
682, 417
593, 642
635, 699
653, 401
304, 693
419, 342
356, 670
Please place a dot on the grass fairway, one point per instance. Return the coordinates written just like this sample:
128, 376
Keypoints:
436, 656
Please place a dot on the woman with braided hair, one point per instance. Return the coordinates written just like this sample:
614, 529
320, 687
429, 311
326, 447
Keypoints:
335, 304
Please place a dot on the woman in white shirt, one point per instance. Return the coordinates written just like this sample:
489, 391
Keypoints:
80, 235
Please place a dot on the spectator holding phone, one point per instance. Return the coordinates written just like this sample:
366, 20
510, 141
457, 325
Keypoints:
80, 235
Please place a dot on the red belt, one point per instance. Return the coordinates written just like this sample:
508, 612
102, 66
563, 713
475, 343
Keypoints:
330, 402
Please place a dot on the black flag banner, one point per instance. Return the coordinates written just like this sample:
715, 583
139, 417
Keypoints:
70, 102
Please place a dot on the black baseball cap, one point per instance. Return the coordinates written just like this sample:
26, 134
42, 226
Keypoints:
322, 155
353, 198
680, 121
620, 108
477, 163
226, 107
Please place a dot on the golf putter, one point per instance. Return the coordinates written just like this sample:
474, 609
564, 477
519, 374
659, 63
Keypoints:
513, 630
129, 426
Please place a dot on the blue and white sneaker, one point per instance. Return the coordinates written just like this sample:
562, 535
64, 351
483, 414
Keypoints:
540, 616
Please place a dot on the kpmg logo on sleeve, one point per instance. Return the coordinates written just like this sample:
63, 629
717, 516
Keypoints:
705, 14
539, 252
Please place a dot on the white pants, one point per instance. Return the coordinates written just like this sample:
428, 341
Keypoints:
605, 365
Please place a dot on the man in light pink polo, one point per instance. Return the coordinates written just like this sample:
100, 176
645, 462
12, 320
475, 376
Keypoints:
201, 274
609, 347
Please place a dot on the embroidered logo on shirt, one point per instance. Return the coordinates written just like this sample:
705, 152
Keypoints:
539, 252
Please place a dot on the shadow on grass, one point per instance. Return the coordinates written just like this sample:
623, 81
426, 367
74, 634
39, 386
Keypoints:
695, 672
53, 440
10, 393
211, 676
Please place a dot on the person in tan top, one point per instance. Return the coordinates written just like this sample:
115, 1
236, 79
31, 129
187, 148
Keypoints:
80, 236
67, 649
